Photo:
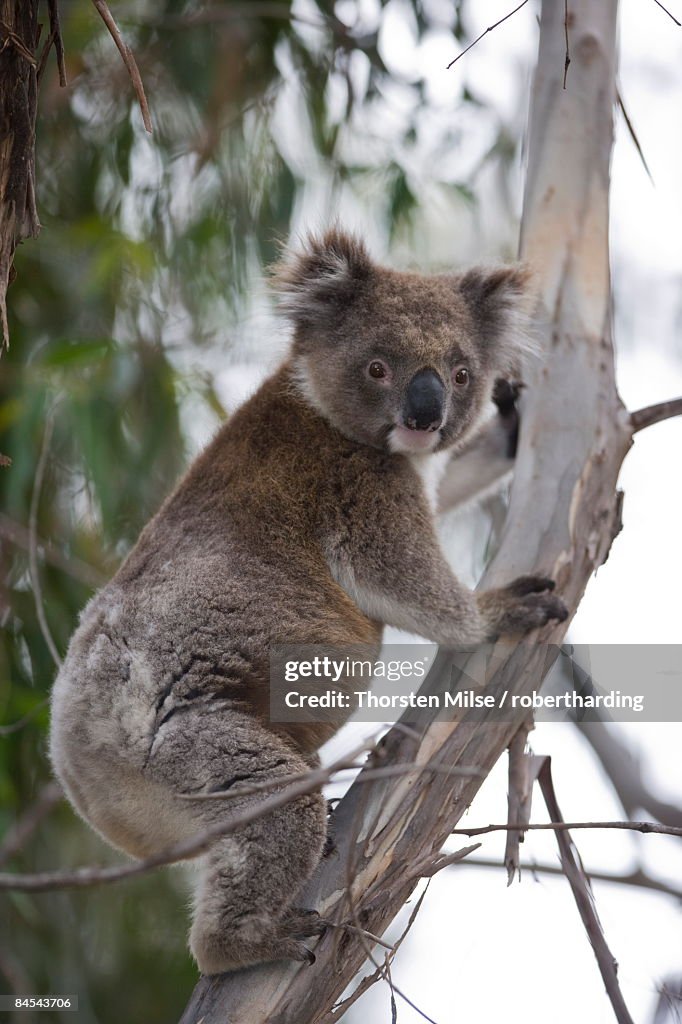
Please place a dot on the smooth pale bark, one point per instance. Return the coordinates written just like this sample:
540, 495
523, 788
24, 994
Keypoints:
564, 513
18, 97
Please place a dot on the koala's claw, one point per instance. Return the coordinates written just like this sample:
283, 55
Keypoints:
523, 585
539, 609
309, 957
300, 923
526, 603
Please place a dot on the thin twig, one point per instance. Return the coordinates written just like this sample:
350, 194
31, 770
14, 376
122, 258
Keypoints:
564, 826
128, 60
637, 879
42, 60
390, 771
24, 827
19, 535
672, 16
56, 36
567, 58
195, 845
11, 727
633, 134
655, 414
33, 539
347, 926
445, 861
489, 29
384, 970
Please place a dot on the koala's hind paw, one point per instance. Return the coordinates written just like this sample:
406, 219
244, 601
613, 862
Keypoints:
526, 603
299, 923
233, 947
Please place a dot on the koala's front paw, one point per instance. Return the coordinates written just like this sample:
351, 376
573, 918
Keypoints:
505, 397
526, 603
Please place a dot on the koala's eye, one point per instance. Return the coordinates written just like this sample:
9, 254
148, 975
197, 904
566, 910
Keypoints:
461, 376
377, 370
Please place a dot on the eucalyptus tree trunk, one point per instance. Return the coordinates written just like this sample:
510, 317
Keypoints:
563, 515
18, 100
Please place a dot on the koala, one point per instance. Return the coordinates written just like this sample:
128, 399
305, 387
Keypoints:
310, 518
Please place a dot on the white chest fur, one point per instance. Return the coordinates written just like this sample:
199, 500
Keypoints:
430, 468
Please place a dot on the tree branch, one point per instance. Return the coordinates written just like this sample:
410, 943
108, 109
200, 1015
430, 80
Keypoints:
566, 826
655, 414
128, 60
292, 787
188, 848
637, 879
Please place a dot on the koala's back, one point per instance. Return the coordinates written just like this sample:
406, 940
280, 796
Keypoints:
231, 564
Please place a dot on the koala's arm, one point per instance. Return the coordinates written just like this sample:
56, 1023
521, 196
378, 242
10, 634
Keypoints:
487, 457
393, 567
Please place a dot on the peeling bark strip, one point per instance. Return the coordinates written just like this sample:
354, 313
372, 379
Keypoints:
564, 513
18, 95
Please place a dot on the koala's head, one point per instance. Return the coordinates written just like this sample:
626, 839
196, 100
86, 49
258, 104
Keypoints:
401, 361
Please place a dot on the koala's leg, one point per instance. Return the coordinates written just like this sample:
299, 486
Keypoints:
487, 458
249, 879
243, 913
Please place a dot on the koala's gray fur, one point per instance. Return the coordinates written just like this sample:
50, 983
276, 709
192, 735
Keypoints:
308, 519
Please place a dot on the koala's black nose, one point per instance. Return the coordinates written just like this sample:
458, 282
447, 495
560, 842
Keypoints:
423, 409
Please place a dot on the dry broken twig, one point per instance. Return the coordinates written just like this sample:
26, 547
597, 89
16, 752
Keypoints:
521, 779
56, 38
128, 60
582, 892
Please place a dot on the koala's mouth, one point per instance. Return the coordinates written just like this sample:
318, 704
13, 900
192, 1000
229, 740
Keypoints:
403, 439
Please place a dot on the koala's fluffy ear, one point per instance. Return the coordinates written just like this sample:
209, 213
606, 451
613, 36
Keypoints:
501, 301
327, 274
